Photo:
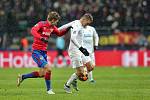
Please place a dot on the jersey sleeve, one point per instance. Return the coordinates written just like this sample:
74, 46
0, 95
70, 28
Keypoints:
59, 32
35, 29
74, 34
66, 26
96, 38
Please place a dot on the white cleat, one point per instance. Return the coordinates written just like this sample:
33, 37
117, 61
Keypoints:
67, 89
19, 80
50, 92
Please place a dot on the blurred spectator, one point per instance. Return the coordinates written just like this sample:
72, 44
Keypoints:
105, 12
24, 44
60, 60
18, 15
0, 41
142, 42
60, 45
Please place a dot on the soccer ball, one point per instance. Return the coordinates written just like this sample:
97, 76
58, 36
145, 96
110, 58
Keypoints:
84, 76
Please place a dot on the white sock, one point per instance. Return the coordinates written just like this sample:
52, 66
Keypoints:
71, 79
90, 75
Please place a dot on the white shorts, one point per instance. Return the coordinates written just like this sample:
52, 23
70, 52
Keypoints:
78, 59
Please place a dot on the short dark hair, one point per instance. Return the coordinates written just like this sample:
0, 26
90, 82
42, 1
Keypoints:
53, 15
88, 16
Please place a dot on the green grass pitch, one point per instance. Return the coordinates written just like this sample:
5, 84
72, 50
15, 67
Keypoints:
111, 84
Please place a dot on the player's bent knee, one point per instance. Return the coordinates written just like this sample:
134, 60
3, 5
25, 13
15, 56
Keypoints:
41, 75
47, 67
41, 72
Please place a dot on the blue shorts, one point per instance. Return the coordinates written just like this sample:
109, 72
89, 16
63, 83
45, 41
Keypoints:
40, 57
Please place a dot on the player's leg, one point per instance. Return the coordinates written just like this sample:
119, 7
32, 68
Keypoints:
34, 74
81, 76
76, 62
89, 66
74, 84
79, 65
47, 77
89, 62
90, 74
73, 79
39, 59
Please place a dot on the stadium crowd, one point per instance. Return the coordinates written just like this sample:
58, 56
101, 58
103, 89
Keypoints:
17, 16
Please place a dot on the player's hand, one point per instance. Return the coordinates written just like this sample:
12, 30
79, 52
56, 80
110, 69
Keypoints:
44, 40
95, 48
70, 27
84, 51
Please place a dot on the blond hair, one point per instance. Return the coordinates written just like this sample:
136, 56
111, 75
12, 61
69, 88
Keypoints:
53, 15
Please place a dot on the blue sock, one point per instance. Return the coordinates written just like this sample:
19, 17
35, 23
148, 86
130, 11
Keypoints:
29, 75
48, 84
34, 74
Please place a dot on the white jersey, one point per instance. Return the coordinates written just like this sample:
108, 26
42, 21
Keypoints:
76, 40
90, 38
79, 37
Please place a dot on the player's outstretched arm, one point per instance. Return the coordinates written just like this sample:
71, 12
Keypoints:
61, 32
65, 26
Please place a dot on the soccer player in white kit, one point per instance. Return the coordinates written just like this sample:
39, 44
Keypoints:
76, 50
90, 42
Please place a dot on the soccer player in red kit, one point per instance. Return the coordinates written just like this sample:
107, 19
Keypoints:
41, 32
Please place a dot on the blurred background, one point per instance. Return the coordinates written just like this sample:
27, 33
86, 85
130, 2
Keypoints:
120, 24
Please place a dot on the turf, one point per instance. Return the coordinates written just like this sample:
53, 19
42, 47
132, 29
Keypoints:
111, 84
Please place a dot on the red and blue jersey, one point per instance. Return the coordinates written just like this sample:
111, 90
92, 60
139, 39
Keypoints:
44, 29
